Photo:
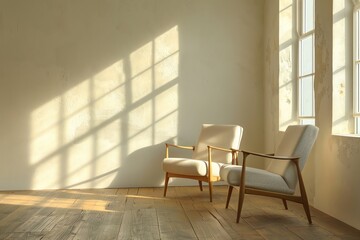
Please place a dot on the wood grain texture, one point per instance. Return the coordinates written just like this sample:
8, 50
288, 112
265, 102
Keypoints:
143, 213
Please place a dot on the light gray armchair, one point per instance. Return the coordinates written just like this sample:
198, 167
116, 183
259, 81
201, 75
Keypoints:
204, 165
282, 174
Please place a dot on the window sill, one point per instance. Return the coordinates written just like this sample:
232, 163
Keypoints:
348, 135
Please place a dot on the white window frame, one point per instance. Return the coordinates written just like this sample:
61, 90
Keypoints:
356, 71
305, 119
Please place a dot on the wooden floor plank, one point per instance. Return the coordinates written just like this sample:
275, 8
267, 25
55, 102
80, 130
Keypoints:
59, 232
226, 218
203, 223
275, 232
173, 222
143, 213
139, 224
99, 225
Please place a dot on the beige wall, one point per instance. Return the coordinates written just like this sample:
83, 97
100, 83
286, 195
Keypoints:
331, 174
90, 90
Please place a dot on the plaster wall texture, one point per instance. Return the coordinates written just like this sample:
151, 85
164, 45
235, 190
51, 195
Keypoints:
343, 120
331, 173
91, 89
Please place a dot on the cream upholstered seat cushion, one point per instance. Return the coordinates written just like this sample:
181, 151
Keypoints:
191, 167
255, 178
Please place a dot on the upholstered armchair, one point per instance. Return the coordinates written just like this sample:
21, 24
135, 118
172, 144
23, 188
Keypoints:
282, 175
213, 149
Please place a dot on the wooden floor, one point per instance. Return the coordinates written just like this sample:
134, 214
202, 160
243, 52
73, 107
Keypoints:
142, 213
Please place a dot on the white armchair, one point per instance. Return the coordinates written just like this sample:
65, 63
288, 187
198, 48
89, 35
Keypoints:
204, 165
282, 175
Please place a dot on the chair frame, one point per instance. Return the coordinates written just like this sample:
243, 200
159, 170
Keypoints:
209, 178
302, 199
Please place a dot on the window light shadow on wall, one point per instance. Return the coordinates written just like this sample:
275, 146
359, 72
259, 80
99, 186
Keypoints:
81, 137
343, 122
287, 60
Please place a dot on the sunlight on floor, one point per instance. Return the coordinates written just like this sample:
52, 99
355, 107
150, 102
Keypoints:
63, 203
94, 202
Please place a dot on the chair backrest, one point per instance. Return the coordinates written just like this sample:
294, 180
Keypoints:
225, 136
298, 142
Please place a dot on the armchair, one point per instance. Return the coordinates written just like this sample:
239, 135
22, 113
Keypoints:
282, 175
213, 149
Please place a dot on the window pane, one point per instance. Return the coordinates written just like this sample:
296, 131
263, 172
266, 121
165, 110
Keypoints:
357, 93
306, 56
357, 32
357, 125
308, 15
305, 121
306, 96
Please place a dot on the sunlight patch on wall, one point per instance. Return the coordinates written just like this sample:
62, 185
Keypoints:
165, 71
166, 57
79, 160
47, 172
167, 44
343, 122
109, 93
166, 113
45, 130
141, 60
287, 61
145, 81
286, 23
75, 112
155, 67
81, 138
140, 127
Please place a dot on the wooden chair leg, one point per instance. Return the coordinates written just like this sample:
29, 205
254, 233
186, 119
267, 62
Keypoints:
166, 183
285, 204
303, 194
229, 196
305, 202
242, 187
200, 185
307, 209
240, 203
210, 190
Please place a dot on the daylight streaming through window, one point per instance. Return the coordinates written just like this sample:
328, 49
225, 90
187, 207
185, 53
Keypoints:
306, 66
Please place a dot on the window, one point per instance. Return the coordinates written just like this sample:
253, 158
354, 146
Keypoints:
296, 62
306, 62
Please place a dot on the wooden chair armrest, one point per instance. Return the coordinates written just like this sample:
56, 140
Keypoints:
271, 156
220, 148
180, 146
233, 152
177, 146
